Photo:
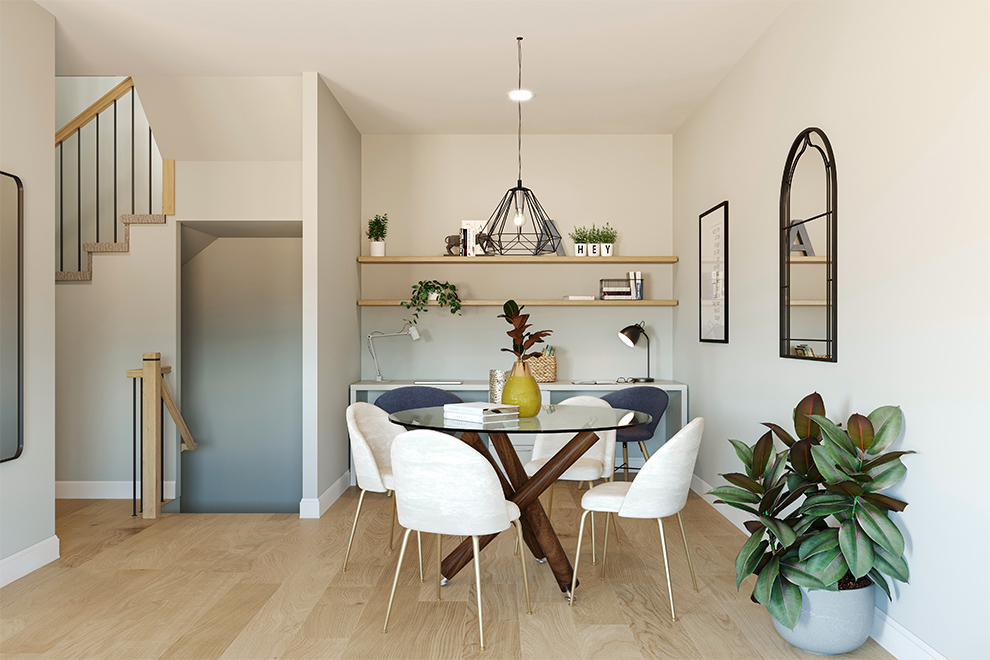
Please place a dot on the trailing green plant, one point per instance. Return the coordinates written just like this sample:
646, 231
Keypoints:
446, 297
607, 234
378, 227
522, 341
579, 235
824, 474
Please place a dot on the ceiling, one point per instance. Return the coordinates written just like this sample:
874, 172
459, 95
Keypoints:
437, 66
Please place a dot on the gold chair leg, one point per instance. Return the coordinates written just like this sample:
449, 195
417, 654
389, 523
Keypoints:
439, 558
642, 448
419, 546
402, 553
577, 553
625, 459
666, 570
477, 581
522, 562
391, 529
594, 560
608, 517
687, 551
615, 523
353, 527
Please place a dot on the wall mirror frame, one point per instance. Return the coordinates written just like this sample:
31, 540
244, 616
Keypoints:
808, 227
11, 317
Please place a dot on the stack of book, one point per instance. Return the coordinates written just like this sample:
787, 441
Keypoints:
480, 412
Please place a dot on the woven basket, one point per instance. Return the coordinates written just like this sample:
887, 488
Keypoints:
544, 369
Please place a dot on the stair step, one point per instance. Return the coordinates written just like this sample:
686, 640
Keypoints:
105, 247
143, 219
74, 276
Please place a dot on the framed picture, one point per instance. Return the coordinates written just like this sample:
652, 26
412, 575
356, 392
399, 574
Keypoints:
713, 279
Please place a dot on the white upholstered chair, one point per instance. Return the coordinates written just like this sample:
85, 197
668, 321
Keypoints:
443, 486
659, 490
371, 443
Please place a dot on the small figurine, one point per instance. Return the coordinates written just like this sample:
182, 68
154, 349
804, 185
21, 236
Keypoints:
483, 240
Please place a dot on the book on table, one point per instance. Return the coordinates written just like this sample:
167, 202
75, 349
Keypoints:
488, 417
451, 423
480, 411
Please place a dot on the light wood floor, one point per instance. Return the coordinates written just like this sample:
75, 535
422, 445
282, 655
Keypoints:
269, 586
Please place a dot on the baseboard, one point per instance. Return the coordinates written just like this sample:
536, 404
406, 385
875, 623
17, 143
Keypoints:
28, 560
312, 507
892, 636
104, 490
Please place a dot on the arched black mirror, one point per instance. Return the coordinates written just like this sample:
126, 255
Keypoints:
808, 250
11, 340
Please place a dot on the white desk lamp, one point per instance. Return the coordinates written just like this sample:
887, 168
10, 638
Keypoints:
407, 329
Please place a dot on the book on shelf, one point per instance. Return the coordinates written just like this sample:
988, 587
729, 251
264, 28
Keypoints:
481, 417
579, 297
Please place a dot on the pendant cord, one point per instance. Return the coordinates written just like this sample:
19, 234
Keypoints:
519, 103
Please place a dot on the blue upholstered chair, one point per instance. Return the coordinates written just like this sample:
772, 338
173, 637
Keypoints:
651, 400
405, 398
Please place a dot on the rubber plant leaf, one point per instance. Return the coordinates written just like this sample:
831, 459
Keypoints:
765, 580
731, 494
850, 488
797, 572
885, 458
784, 436
743, 481
779, 530
800, 456
762, 451
785, 602
860, 432
749, 556
745, 454
835, 434
890, 475
819, 543
885, 501
857, 548
809, 405
829, 565
880, 528
895, 567
826, 465
886, 422
769, 500
879, 580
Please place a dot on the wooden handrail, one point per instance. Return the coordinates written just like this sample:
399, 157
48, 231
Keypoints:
89, 113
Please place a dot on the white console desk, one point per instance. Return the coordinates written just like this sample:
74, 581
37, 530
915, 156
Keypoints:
477, 390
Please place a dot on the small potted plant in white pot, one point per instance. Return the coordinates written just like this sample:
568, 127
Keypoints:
594, 244
606, 240
377, 228
443, 294
580, 238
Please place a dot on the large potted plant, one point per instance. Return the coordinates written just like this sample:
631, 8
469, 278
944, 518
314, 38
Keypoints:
521, 388
425, 291
822, 536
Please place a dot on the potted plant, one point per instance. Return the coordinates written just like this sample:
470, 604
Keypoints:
521, 388
580, 238
594, 241
606, 240
815, 578
377, 228
424, 291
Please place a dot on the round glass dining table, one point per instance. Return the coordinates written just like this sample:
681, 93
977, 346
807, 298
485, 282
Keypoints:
581, 421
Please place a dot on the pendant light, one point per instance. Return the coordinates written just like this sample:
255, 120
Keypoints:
519, 225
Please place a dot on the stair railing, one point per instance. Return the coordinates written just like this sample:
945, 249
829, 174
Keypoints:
88, 211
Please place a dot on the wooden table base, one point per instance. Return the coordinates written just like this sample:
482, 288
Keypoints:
525, 492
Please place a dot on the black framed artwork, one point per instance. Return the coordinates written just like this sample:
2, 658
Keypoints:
713, 279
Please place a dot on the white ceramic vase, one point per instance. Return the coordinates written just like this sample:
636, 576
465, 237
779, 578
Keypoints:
377, 248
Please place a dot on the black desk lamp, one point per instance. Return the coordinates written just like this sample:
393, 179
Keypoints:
629, 336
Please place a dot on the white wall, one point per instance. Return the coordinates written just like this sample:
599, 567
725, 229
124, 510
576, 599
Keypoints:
428, 184
27, 129
331, 207
901, 90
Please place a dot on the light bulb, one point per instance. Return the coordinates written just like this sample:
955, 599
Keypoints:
520, 95
518, 219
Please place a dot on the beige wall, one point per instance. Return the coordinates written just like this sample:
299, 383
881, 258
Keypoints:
901, 90
428, 184
27, 127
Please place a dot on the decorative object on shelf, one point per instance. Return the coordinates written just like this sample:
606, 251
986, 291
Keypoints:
630, 288
377, 229
407, 329
607, 236
519, 224
483, 245
521, 388
580, 237
496, 383
713, 279
630, 336
805, 318
444, 294
824, 472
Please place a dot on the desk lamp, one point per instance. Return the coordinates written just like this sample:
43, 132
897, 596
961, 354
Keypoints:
407, 329
629, 336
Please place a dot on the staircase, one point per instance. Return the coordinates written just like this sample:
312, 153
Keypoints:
103, 170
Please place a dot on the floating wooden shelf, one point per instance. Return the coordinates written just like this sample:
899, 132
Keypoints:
520, 260
538, 303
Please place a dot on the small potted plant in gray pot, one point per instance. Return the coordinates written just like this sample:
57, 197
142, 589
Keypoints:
425, 291
377, 229
822, 537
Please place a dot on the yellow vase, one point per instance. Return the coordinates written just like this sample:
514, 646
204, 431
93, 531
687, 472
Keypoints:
522, 390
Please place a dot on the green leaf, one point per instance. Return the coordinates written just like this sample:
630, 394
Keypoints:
886, 422
857, 548
850, 488
779, 530
743, 481
824, 510
803, 426
762, 451
829, 565
744, 453
840, 457
800, 456
797, 572
885, 501
784, 436
835, 434
764, 583
895, 567
826, 465
510, 308
770, 499
779, 467
880, 528
785, 602
880, 581
860, 432
885, 458
890, 474
792, 496
749, 556
733, 494
819, 543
